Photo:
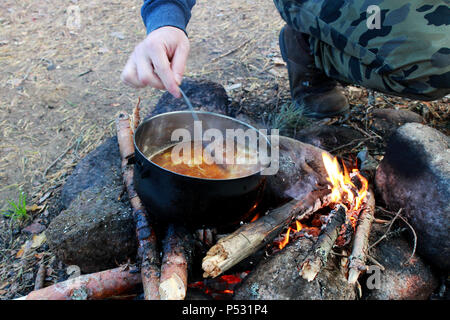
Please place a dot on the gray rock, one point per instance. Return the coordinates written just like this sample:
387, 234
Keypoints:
386, 121
402, 279
415, 175
99, 168
328, 137
301, 170
95, 232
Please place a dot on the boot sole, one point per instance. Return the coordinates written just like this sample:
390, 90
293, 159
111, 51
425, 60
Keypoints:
315, 115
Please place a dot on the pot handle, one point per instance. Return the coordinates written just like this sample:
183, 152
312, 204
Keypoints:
145, 173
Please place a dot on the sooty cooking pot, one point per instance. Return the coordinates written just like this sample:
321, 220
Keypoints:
190, 201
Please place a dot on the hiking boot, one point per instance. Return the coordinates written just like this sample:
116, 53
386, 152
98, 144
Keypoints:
312, 90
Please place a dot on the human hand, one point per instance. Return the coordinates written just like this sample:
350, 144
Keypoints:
158, 61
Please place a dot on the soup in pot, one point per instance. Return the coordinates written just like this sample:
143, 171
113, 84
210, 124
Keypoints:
244, 162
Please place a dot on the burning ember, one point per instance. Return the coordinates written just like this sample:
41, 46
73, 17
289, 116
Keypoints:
220, 288
348, 189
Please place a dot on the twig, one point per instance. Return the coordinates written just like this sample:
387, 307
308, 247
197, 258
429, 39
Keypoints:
62, 155
361, 140
372, 259
230, 51
410, 227
388, 229
85, 73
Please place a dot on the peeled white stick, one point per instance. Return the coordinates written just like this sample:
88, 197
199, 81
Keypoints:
361, 241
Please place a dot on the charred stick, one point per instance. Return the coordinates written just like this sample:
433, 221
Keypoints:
249, 238
318, 256
177, 250
361, 240
147, 245
92, 286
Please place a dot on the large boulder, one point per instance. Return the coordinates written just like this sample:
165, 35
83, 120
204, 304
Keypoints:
204, 95
329, 137
100, 167
386, 121
95, 232
403, 278
415, 175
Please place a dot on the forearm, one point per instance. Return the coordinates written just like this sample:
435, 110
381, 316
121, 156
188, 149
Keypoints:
160, 13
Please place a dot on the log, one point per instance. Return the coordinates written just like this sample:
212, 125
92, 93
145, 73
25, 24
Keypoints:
317, 258
249, 238
361, 239
94, 286
148, 255
177, 256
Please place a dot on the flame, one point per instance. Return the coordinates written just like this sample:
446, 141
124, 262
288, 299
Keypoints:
298, 226
343, 189
285, 241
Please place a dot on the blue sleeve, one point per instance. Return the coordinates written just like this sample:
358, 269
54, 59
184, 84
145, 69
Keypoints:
160, 13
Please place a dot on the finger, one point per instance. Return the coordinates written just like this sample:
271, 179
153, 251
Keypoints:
146, 74
162, 68
129, 74
179, 62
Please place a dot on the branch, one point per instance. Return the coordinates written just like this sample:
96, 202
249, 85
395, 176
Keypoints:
178, 248
92, 286
147, 251
251, 237
361, 240
318, 256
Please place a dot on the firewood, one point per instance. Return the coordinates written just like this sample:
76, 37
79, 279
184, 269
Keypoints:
148, 254
317, 258
177, 255
361, 240
92, 286
249, 238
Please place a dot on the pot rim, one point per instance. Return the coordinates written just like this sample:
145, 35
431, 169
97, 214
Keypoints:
198, 112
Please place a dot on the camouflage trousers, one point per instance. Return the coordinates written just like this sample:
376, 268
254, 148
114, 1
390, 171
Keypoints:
407, 53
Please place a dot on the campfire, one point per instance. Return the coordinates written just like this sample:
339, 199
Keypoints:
333, 217
332, 225
343, 193
336, 216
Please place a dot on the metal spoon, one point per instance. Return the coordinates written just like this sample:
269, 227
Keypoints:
189, 104
195, 116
